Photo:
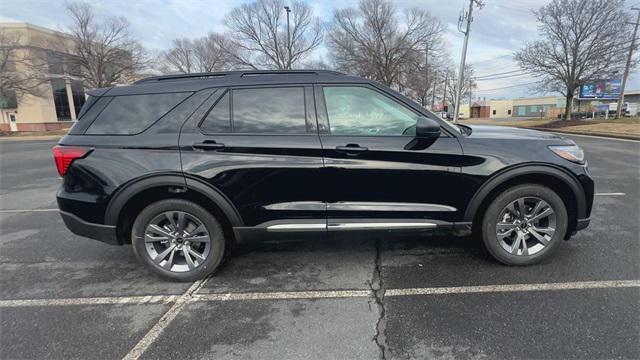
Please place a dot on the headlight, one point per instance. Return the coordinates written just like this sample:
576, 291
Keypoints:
572, 153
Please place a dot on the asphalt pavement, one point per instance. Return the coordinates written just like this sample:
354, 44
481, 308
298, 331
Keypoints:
63, 296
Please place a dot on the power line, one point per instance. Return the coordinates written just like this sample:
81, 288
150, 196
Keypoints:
505, 77
506, 87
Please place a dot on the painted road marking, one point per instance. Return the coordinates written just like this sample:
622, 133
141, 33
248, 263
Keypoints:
611, 194
190, 296
164, 321
580, 285
27, 210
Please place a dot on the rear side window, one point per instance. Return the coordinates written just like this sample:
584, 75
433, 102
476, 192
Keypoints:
258, 111
131, 114
219, 118
269, 111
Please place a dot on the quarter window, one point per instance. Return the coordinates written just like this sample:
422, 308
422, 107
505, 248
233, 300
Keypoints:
127, 115
362, 111
269, 111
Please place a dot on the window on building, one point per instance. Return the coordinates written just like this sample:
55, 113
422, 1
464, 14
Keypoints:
77, 91
60, 99
534, 108
55, 61
509, 112
219, 118
363, 111
494, 112
132, 114
269, 111
522, 110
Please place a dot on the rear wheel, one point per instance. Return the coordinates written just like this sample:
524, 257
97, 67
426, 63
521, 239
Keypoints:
178, 240
524, 224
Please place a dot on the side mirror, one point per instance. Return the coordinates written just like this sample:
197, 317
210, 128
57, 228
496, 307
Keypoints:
427, 128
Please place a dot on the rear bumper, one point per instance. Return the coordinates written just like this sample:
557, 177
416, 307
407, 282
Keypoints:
104, 233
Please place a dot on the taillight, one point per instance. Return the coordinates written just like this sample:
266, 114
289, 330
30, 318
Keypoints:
65, 155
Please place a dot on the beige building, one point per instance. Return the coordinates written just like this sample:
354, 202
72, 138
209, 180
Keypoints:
501, 108
60, 98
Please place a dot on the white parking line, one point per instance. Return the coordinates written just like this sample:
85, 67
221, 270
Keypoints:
515, 288
164, 321
190, 296
26, 210
611, 194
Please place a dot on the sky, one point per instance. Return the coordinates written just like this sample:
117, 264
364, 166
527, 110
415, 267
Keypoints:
498, 29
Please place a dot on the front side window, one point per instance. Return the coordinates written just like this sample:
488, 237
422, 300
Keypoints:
361, 111
269, 111
131, 114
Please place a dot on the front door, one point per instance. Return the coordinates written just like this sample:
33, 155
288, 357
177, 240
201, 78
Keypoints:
259, 146
378, 174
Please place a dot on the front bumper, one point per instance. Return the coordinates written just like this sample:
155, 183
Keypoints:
104, 233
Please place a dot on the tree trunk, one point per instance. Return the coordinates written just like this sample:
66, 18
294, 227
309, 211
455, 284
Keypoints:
567, 107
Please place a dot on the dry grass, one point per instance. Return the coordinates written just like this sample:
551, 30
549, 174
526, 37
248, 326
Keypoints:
624, 127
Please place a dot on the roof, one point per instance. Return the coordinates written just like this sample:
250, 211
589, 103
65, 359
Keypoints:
199, 81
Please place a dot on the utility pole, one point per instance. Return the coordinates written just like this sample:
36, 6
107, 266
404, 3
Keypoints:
626, 69
288, 9
444, 94
469, 17
188, 62
426, 79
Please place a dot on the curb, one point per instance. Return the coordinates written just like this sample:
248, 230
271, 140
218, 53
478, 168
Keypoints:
604, 135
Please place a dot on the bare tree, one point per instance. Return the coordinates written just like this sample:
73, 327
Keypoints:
205, 54
468, 85
259, 36
372, 41
421, 77
106, 52
582, 40
23, 70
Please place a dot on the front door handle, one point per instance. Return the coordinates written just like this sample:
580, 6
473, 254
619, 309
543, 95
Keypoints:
208, 145
352, 149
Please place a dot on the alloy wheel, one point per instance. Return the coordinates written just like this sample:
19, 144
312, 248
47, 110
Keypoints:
177, 241
526, 226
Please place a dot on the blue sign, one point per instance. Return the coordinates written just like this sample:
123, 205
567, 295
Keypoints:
601, 89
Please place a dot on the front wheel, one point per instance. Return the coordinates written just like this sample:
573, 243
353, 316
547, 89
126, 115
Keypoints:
178, 240
524, 225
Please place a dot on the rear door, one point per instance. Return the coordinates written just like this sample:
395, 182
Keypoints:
259, 146
378, 175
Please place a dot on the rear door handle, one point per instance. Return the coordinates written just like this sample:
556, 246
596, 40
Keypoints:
208, 145
352, 149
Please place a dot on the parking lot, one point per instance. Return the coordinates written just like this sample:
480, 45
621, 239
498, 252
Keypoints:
65, 297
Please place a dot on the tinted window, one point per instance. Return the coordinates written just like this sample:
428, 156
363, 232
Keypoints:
362, 111
269, 111
132, 114
219, 118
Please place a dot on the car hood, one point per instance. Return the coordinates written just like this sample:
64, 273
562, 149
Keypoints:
505, 132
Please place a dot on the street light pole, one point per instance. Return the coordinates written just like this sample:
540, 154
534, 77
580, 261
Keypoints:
469, 18
288, 9
628, 65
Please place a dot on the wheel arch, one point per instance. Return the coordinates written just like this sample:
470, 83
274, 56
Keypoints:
558, 179
132, 198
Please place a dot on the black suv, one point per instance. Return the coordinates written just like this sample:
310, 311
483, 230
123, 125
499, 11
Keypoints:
186, 167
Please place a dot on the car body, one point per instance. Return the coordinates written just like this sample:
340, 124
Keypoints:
255, 149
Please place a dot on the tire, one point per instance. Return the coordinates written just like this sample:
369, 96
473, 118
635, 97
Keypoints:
514, 238
179, 233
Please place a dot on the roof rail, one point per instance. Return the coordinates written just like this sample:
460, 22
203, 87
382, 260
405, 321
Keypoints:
240, 73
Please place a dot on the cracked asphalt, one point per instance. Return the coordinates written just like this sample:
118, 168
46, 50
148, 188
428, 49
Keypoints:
66, 297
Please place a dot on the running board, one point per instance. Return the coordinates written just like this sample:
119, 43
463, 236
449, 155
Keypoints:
352, 226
